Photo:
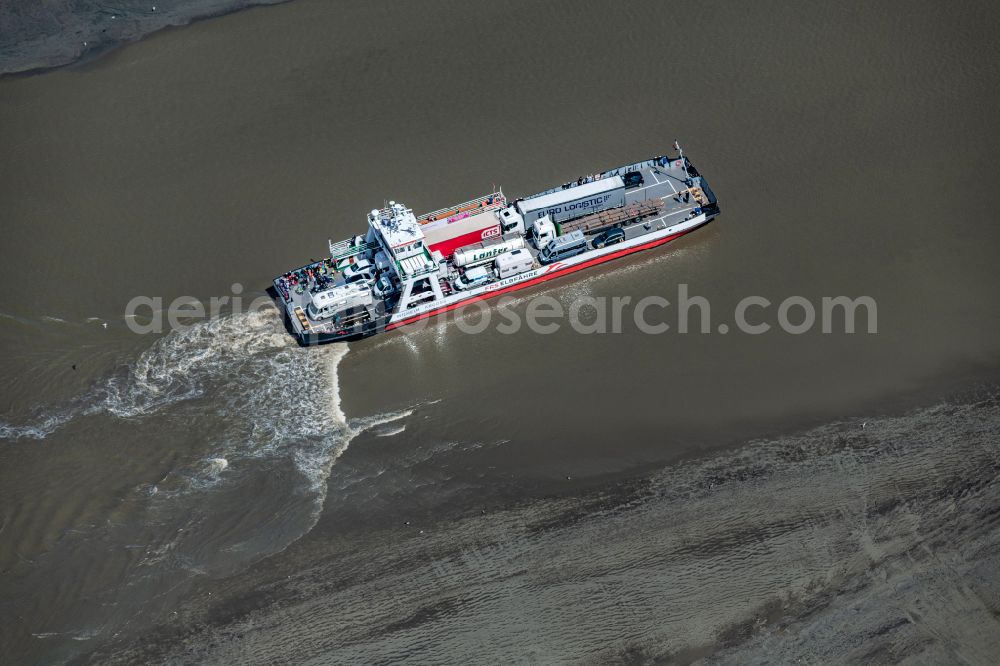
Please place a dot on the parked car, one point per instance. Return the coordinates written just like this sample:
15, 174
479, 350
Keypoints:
633, 179
360, 270
609, 237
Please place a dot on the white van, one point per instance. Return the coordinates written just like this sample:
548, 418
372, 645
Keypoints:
474, 277
514, 262
563, 247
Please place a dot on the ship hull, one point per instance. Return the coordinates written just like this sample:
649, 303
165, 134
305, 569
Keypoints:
516, 283
651, 202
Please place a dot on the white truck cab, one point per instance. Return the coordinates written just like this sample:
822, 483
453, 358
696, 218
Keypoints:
511, 220
542, 231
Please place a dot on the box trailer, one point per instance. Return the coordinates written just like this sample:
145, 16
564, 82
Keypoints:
575, 201
449, 234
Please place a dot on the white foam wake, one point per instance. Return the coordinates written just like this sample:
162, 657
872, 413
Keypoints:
180, 366
260, 395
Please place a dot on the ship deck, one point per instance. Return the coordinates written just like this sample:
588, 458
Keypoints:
663, 180
667, 183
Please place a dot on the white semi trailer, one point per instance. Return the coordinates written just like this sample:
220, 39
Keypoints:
573, 202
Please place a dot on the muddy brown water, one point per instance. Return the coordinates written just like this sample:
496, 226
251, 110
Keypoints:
447, 497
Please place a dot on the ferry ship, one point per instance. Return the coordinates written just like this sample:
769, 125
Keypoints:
407, 267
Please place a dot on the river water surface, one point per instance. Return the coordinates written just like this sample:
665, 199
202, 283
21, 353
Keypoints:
219, 494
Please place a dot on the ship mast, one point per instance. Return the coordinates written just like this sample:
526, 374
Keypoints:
687, 176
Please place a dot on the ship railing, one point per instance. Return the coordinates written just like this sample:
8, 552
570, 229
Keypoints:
492, 201
645, 164
349, 247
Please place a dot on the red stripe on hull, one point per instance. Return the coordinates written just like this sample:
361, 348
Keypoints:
542, 278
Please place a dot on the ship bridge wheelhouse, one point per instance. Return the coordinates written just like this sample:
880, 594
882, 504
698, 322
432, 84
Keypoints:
397, 231
402, 240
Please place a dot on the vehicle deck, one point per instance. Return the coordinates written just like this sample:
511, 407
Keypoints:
667, 183
663, 179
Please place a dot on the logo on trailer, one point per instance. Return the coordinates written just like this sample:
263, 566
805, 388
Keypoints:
574, 205
492, 232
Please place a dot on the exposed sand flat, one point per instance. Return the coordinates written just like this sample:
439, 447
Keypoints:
857, 542
38, 36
